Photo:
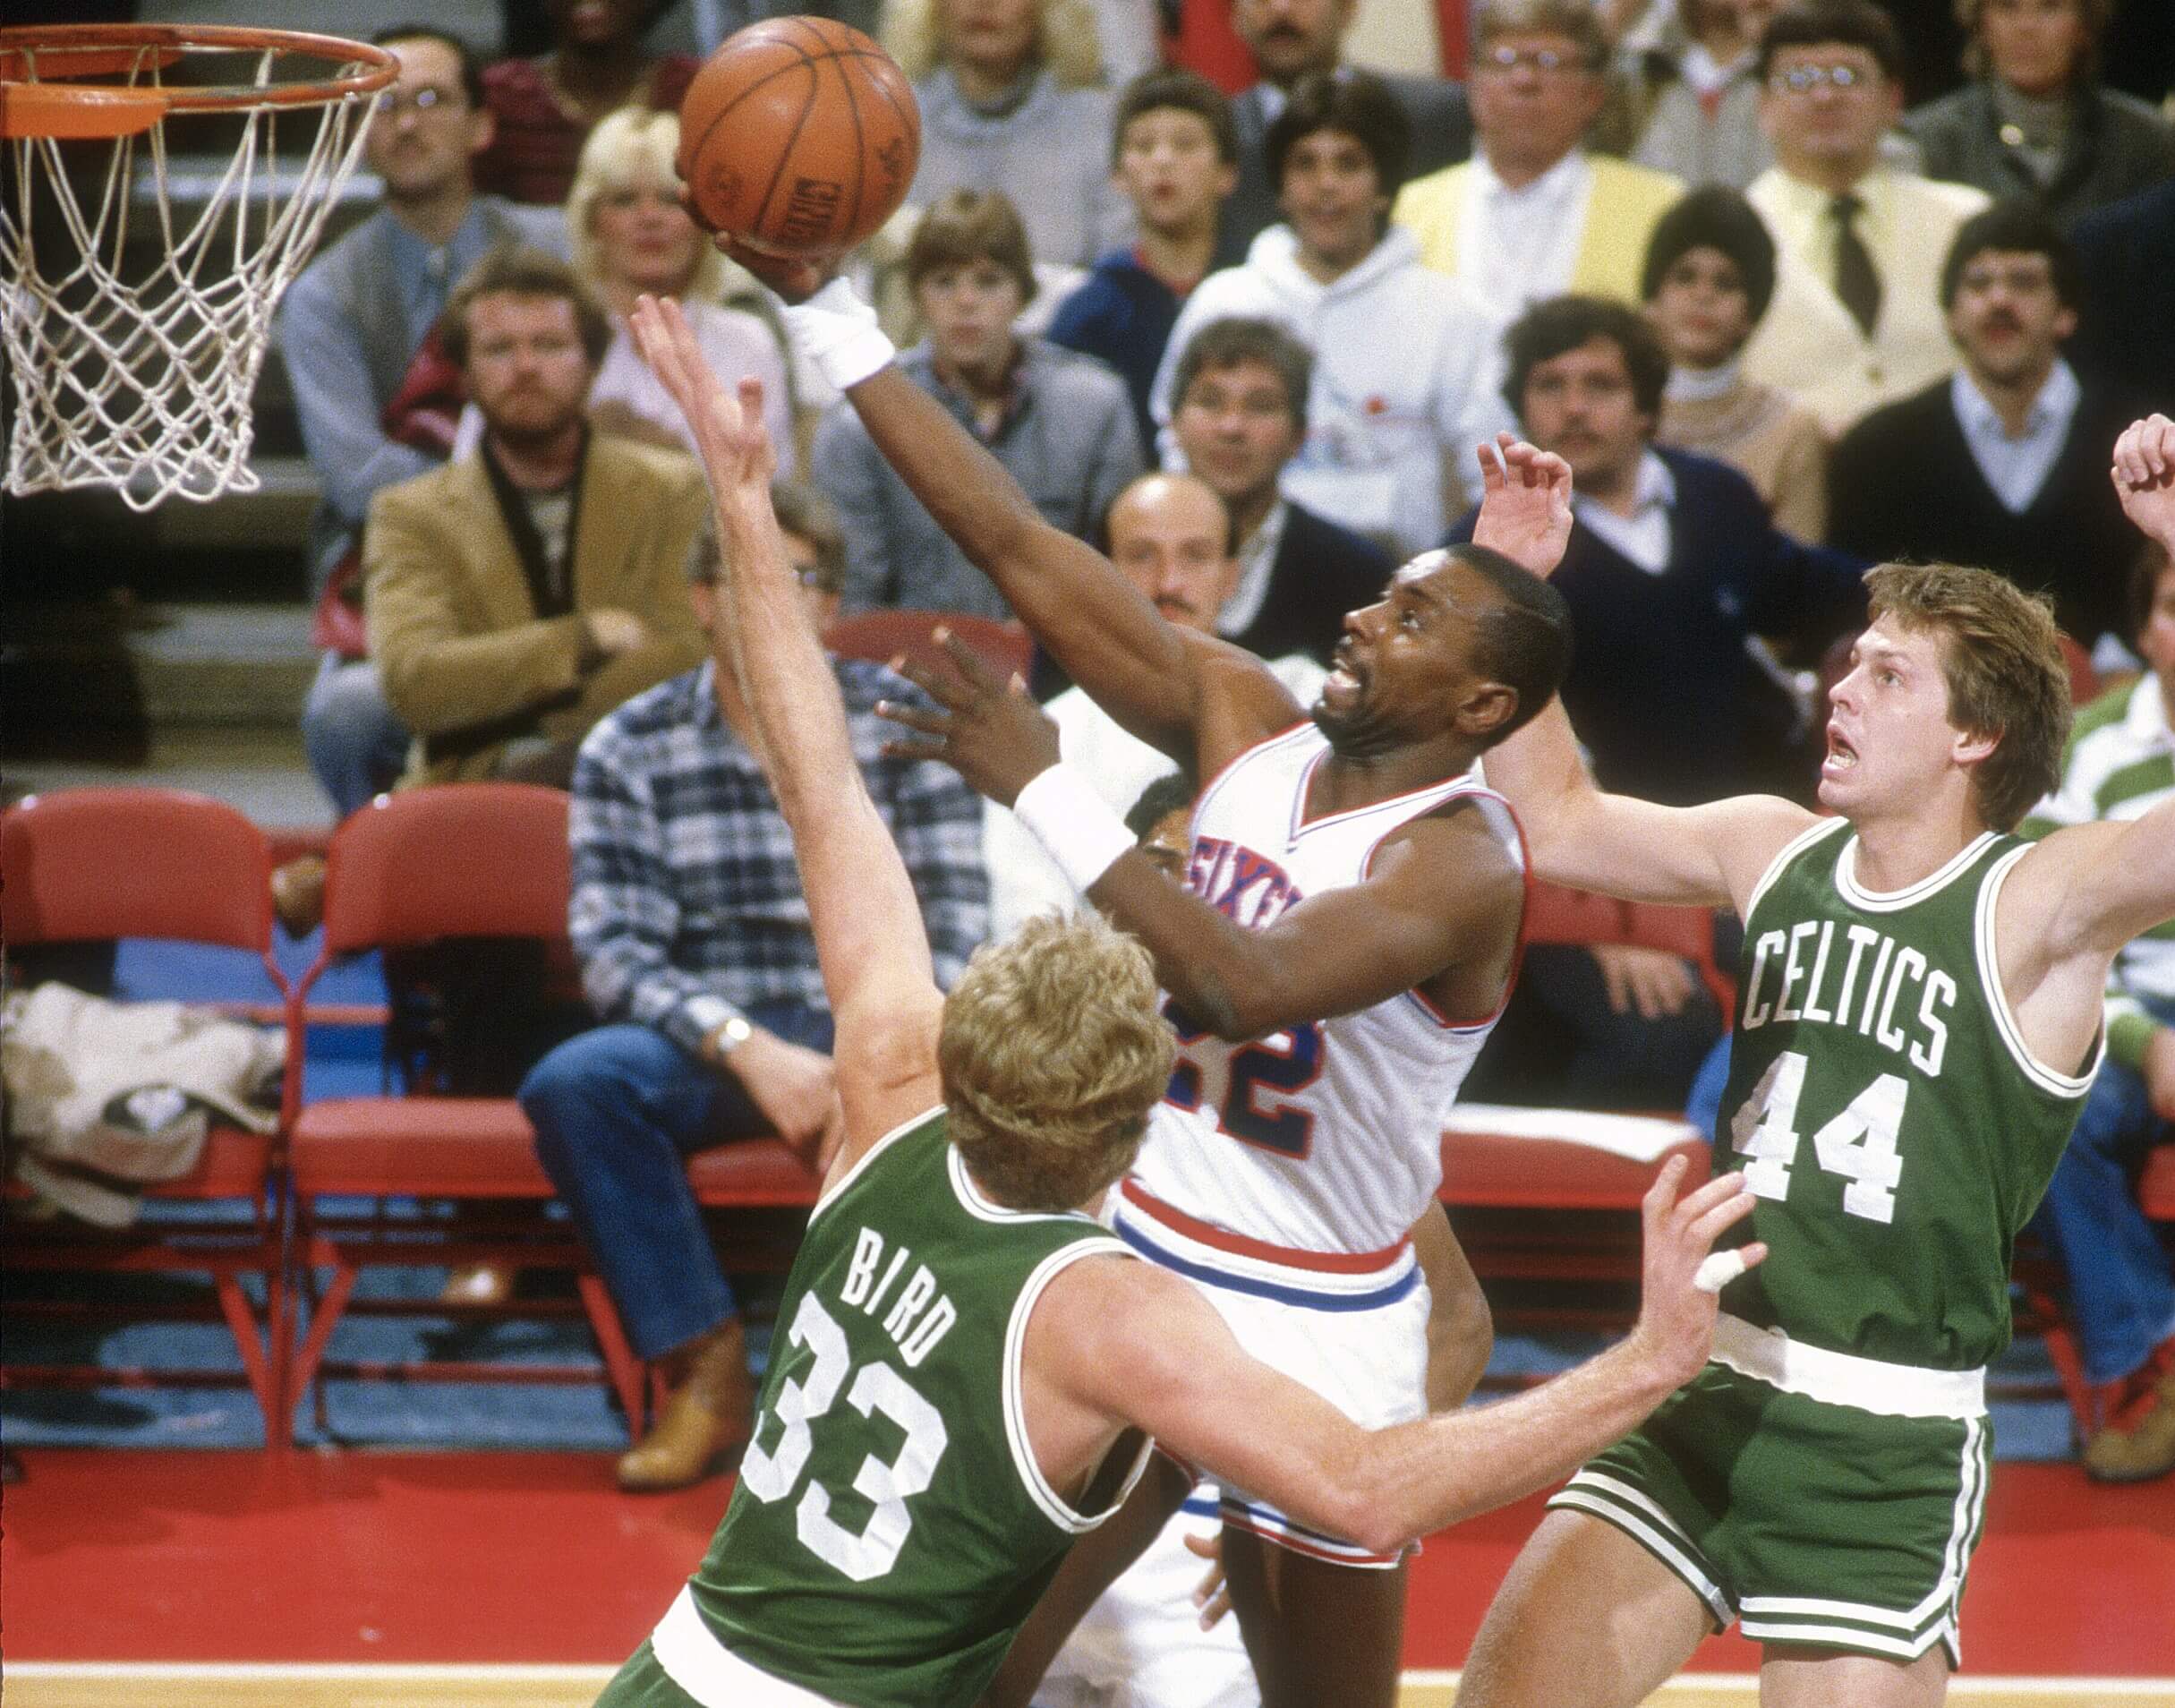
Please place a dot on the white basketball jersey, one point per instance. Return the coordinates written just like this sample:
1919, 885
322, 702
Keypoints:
1326, 1137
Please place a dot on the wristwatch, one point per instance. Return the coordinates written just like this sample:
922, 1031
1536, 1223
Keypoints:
731, 1036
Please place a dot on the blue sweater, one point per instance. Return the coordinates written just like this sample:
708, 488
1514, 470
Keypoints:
1124, 314
1662, 691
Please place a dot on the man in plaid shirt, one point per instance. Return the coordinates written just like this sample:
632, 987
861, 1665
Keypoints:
692, 935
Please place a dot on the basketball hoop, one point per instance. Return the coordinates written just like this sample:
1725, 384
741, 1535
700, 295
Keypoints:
135, 370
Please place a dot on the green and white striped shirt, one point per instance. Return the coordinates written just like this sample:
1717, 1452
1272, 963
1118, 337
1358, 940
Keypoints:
2121, 764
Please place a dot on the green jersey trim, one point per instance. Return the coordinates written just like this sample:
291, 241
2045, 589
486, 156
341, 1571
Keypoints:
1790, 852
2051, 1081
831, 1193
1055, 1506
1894, 901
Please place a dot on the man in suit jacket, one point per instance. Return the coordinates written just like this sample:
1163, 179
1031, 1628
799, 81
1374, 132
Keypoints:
1674, 574
516, 597
2013, 448
1533, 214
1239, 415
2126, 257
1289, 38
1856, 321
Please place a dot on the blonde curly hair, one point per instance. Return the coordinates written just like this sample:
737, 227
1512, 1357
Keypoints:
1052, 1051
1065, 39
633, 149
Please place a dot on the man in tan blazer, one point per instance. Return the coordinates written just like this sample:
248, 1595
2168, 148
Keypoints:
516, 597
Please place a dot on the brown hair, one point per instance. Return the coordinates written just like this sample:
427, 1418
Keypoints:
1580, 20
2000, 656
1052, 1052
512, 270
2094, 14
968, 226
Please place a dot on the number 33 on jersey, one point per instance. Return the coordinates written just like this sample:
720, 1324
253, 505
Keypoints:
1884, 1107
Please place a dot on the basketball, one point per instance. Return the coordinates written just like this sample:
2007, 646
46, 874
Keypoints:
799, 136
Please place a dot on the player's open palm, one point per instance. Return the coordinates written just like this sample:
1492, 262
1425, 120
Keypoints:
736, 445
2144, 477
1678, 1303
991, 732
1525, 504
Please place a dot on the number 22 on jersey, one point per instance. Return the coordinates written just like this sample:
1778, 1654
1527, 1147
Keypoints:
1286, 1062
1859, 1144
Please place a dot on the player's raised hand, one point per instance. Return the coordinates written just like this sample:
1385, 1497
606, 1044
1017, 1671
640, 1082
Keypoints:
991, 732
1525, 504
1677, 1303
736, 445
2144, 477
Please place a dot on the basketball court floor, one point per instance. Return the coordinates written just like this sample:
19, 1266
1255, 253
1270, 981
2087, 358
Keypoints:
360, 1579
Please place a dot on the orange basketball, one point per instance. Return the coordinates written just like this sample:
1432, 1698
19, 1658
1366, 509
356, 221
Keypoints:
799, 136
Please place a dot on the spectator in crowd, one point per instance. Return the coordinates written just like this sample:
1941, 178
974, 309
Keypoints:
1291, 39
1010, 98
1672, 573
1533, 214
1709, 277
1696, 94
1061, 422
354, 334
2035, 120
2014, 446
1673, 570
1856, 321
516, 597
1239, 401
1174, 153
546, 107
1171, 535
2120, 762
630, 235
1401, 366
696, 954
2125, 263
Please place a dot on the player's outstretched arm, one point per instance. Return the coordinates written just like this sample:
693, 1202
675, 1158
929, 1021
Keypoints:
1146, 1347
867, 923
1708, 856
1096, 624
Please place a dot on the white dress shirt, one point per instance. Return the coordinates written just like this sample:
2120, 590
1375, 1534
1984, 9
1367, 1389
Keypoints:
2016, 467
1257, 557
1648, 534
1517, 246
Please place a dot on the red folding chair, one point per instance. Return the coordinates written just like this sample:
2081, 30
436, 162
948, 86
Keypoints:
88, 865
880, 636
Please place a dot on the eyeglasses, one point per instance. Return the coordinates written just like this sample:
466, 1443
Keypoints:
425, 100
1802, 80
1543, 62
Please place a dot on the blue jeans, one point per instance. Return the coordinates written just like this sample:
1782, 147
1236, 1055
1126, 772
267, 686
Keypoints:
2121, 1297
617, 1111
356, 743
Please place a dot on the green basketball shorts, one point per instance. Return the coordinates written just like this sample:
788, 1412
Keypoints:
1808, 1522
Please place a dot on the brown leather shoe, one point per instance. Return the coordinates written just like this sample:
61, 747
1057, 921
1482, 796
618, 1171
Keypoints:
298, 894
710, 1409
2138, 1442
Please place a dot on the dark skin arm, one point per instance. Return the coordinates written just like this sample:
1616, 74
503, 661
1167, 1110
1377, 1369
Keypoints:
1158, 681
1439, 909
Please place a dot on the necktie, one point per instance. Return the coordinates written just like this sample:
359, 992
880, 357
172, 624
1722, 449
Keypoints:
1856, 280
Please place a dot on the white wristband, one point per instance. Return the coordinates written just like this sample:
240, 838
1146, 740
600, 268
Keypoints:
838, 332
1076, 826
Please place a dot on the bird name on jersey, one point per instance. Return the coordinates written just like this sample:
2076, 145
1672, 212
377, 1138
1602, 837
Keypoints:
1826, 972
1243, 886
919, 1316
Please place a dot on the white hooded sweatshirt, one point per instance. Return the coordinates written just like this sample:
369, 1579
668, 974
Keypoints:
1406, 377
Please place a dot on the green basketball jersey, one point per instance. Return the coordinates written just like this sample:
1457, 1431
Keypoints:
1884, 1107
890, 1530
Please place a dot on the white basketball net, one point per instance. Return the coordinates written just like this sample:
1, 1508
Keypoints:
144, 384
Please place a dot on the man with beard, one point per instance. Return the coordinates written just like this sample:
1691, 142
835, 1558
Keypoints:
1348, 930
516, 597
2013, 445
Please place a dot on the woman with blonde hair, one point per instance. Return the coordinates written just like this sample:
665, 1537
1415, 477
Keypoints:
1012, 101
629, 235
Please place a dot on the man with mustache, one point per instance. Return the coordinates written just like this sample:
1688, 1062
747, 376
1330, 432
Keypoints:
2014, 444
